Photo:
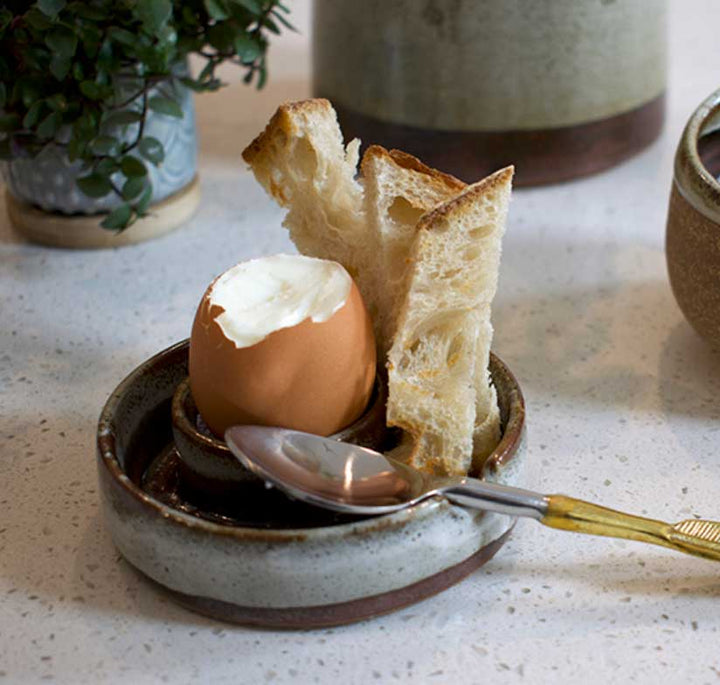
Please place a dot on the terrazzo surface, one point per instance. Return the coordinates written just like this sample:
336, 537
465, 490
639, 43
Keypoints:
623, 409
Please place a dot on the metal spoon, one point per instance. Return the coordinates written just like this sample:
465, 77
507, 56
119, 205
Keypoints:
343, 477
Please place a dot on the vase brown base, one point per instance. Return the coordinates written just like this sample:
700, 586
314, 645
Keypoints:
540, 156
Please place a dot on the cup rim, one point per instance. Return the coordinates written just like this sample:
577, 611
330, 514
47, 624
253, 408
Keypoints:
692, 178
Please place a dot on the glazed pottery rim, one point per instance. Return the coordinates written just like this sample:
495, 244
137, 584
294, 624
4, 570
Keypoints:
693, 179
509, 443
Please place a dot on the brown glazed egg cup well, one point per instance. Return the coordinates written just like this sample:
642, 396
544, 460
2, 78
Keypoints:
693, 225
209, 467
264, 559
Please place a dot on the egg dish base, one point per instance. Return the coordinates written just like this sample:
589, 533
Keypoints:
262, 559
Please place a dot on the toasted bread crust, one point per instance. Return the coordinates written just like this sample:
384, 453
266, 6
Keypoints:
407, 161
467, 197
285, 121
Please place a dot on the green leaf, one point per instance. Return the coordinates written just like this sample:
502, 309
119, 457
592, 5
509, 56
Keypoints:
88, 11
62, 42
207, 70
59, 67
9, 123
75, 149
57, 102
221, 36
133, 187
118, 219
107, 167
94, 185
144, 202
262, 76
33, 115
122, 118
95, 91
270, 25
28, 91
284, 21
51, 7
216, 9
122, 36
152, 149
105, 145
251, 5
192, 84
154, 14
165, 106
37, 20
132, 166
86, 126
247, 49
92, 37
49, 125
77, 71
3, 95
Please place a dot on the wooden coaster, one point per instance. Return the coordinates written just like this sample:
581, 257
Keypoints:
84, 231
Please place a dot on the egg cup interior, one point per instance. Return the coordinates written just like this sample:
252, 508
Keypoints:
207, 465
268, 560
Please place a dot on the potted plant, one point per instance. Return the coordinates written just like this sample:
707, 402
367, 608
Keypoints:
96, 115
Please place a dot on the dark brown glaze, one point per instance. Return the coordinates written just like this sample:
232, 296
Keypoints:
250, 504
512, 415
301, 618
709, 150
540, 156
692, 250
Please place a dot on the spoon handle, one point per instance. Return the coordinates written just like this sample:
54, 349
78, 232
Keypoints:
694, 536
697, 537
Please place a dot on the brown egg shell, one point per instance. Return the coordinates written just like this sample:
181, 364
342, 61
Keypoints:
315, 377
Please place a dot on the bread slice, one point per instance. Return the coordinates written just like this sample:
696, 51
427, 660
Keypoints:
437, 365
371, 226
398, 190
302, 163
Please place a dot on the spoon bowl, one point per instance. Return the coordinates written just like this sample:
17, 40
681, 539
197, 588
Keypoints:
330, 473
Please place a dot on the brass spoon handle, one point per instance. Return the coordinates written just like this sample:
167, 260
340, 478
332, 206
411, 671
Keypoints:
697, 537
694, 536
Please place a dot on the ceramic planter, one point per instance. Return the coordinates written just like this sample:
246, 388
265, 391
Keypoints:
46, 206
693, 226
560, 88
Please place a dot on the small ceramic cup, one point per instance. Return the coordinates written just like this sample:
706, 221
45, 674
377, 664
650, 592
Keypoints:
207, 464
693, 225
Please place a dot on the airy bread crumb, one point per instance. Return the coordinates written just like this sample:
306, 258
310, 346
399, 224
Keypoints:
437, 366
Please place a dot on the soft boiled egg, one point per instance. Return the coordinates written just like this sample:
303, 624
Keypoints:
285, 341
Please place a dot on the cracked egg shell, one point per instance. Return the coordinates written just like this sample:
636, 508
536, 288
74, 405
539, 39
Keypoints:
282, 341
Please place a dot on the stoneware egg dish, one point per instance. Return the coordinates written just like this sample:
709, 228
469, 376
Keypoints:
268, 561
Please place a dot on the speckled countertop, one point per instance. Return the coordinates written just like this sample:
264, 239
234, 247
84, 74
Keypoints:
623, 405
